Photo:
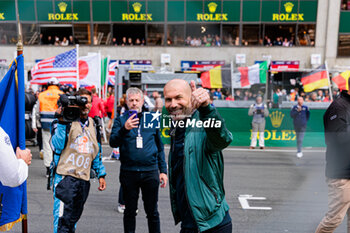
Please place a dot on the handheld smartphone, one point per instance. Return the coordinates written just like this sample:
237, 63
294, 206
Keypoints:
132, 112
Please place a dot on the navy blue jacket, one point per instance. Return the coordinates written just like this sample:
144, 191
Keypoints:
150, 157
300, 118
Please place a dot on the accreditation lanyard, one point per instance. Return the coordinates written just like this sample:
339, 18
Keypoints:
139, 140
84, 125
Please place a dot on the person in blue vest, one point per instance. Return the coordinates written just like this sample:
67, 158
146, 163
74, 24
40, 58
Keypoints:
300, 114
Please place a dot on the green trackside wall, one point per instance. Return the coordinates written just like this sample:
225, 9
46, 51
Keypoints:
279, 130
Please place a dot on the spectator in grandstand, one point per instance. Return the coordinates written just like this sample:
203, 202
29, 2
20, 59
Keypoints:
300, 114
237, 41
313, 97
64, 42
71, 40
41, 39
276, 98
230, 98
284, 96
205, 42
49, 40
114, 41
217, 40
326, 97
57, 41
291, 42
124, 42
238, 95
137, 42
285, 42
158, 102
320, 96
143, 42
259, 111
292, 95
218, 94
188, 41
277, 42
130, 43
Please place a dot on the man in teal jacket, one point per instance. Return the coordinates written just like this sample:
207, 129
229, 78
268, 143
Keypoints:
196, 166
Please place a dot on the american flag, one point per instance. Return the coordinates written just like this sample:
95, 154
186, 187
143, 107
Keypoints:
111, 73
62, 66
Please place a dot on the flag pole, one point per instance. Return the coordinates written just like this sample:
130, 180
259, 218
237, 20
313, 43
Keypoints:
329, 82
77, 47
232, 88
20, 52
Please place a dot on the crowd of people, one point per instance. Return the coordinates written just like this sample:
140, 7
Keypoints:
206, 41
58, 41
128, 42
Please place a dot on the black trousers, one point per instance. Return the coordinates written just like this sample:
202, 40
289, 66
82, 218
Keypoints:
227, 228
148, 182
74, 193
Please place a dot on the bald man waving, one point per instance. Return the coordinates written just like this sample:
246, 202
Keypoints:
198, 135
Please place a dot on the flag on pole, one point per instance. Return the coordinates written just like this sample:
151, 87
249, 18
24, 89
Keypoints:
111, 73
12, 121
89, 70
218, 77
316, 79
62, 66
104, 74
342, 80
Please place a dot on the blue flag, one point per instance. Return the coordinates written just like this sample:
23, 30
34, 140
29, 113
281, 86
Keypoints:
12, 121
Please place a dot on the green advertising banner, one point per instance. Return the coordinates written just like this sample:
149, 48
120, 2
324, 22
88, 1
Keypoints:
251, 11
279, 130
289, 11
7, 10
344, 26
42, 9
26, 10
176, 11
100, 10
212, 11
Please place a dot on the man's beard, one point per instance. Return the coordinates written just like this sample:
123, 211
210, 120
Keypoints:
181, 114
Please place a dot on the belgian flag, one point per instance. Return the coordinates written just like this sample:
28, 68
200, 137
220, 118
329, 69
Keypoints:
342, 80
218, 77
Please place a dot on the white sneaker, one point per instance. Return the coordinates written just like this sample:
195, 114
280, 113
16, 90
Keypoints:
121, 209
300, 155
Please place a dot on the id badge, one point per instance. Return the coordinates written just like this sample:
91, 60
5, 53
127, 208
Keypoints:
139, 142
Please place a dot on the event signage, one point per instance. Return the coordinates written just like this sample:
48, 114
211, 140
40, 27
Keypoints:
285, 65
2, 16
136, 64
63, 16
200, 65
136, 16
288, 16
212, 16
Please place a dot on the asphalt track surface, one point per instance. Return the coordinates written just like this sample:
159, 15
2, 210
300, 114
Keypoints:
294, 189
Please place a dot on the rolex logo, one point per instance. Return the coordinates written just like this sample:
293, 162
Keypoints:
137, 7
276, 119
288, 7
212, 7
62, 6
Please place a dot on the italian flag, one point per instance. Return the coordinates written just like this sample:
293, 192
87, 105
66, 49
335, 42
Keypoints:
253, 74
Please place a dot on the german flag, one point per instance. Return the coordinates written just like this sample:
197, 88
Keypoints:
342, 80
316, 79
218, 77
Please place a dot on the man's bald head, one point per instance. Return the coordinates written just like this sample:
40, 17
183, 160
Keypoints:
178, 84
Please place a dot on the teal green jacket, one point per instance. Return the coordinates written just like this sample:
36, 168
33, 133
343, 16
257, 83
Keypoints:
203, 171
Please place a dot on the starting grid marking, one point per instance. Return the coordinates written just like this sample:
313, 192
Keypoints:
243, 200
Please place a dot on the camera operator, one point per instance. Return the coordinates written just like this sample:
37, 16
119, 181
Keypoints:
76, 143
259, 111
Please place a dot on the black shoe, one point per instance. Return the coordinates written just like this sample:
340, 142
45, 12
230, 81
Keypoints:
47, 172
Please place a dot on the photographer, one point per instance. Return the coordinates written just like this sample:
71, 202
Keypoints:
259, 111
76, 143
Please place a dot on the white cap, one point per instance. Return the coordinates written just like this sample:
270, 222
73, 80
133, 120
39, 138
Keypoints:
53, 81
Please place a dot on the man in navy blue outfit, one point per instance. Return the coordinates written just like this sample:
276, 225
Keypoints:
300, 114
142, 161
